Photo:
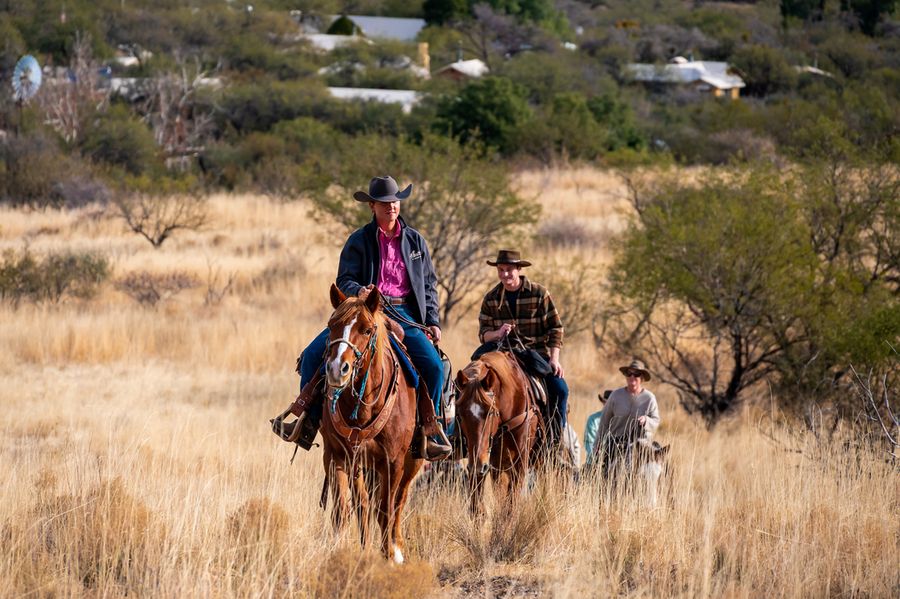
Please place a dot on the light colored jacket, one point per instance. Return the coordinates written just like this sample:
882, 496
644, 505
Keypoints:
620, 416
590, 435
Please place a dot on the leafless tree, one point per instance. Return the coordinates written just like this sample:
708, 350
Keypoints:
70, 100
180, 126
874, 394
155, 218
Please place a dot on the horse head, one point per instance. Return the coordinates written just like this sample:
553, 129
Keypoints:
477, 412
353, 338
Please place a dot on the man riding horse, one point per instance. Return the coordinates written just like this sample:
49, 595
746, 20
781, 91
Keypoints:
393, 256
518, 307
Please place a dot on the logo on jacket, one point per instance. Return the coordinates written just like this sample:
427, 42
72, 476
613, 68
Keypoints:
415, 255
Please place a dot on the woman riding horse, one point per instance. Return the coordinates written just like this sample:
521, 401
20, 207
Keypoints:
370, 419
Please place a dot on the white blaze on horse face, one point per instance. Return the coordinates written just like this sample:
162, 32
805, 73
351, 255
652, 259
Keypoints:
476, 410
334, 366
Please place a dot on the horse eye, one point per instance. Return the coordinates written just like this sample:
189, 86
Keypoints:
368, 332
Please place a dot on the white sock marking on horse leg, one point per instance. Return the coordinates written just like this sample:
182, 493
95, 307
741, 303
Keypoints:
398, 555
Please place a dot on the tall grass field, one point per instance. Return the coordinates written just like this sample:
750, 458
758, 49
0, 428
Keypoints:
137, 460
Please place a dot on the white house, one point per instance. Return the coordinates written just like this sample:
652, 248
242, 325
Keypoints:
703, 76
389, 28
405, 97
463, 69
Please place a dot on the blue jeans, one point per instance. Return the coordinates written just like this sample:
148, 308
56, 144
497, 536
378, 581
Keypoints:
421, 351
558, 396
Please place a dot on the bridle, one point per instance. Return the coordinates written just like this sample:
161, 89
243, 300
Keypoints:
360, 358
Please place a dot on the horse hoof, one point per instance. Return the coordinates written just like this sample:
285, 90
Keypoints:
398, 555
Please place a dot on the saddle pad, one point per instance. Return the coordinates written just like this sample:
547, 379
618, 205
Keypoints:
406, 365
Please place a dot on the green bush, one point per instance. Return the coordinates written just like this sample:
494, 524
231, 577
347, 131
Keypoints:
491, 109
765, 70
119, 139
33, 170
57, 275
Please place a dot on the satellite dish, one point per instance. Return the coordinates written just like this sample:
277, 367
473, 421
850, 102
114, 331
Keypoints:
26, 78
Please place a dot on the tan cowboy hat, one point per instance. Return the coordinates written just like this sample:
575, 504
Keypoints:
383, 189
509, 257
636, 365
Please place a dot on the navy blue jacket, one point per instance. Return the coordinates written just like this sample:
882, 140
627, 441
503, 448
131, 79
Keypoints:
361, 261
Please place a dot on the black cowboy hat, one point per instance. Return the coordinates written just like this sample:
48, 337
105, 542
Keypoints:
383, 189
636, 366
509, 257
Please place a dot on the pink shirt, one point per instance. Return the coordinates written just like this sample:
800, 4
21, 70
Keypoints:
392, 277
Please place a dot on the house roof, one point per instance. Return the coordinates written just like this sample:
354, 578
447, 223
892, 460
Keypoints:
686, 71
327, 43
386, 27
407, 98
473, 68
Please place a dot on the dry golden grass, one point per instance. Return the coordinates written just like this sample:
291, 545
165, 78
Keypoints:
137, 460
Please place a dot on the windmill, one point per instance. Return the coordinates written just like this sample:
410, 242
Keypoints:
26, 79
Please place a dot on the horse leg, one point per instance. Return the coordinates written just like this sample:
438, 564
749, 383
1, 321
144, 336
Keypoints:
340, 489
410, 469
390, 475
361, 499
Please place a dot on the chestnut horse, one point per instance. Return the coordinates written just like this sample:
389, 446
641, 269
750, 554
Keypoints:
370, 418
500, 420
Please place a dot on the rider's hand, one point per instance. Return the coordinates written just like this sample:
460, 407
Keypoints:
435, 333
505, 329
642, 421
557, 368
364, 292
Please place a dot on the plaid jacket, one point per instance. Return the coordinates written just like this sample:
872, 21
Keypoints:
537, 319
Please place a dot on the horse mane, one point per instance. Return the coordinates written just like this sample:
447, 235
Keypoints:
354, 306
476, 370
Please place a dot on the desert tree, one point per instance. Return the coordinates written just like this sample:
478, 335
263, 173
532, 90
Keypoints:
155, 217
705, 285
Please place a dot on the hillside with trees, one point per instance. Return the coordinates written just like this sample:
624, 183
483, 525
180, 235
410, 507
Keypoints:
785, 261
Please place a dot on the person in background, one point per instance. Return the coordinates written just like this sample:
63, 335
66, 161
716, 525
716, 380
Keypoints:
590, 429
630, 414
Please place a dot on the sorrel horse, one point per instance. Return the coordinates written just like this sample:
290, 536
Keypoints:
500, 420
370, 420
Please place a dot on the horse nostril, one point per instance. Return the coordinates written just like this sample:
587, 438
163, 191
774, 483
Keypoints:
345, 368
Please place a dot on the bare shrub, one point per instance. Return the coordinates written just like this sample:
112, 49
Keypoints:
148, 289
102, 536
509, 536
348, 574
217, 285
51, 278
155, 218
258, 530
879, 419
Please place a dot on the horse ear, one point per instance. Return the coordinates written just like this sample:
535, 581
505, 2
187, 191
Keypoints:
373, 301
490, 377
337, 296
461, 379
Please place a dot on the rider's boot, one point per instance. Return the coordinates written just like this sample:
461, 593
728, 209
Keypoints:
433, 443
307, 409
